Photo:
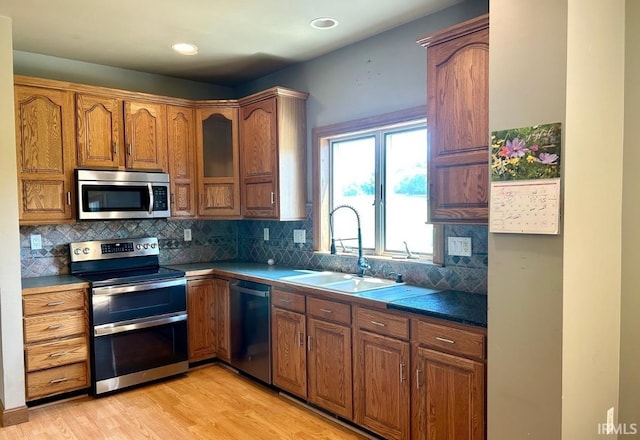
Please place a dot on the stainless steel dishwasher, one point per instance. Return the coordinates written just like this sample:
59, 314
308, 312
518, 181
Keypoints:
251, 329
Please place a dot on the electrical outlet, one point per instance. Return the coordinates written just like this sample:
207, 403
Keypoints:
299, 235
187, 235
265, 231
460, 246
36, 242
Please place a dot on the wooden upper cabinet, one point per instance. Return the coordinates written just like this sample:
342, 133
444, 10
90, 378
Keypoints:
458, 122
218, 162
145, 135
273, 155
45, 154
182, 161
113, 133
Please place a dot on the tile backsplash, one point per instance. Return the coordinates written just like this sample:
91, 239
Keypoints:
243, 239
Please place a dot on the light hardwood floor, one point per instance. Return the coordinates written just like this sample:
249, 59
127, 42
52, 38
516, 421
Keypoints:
210, 402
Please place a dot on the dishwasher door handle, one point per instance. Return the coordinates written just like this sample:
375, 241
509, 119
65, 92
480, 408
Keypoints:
254, 292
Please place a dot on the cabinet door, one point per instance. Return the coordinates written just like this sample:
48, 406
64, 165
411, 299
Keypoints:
99, 131
218, 163
45, 154
329, 367
223, 319
381, 396
145, 136
288, 346
258, 142
201, 312
182, 161
458, 118
448, 397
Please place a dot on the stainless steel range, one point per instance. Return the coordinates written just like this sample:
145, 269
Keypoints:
138, 312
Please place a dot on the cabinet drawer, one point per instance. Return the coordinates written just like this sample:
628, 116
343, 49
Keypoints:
53, 302
329, 310
450, 339
288, 301
57, 380
54, 354
382, 323
54, 325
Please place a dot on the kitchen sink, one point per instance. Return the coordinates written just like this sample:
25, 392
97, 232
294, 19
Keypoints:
341, 282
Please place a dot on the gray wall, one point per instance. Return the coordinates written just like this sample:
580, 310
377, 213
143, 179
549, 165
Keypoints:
526, 86
43, 66
630, 303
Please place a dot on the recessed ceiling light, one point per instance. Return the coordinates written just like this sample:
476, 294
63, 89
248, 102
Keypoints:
185, 48
324, 23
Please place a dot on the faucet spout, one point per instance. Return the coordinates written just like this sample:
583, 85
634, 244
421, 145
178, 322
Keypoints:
362, 261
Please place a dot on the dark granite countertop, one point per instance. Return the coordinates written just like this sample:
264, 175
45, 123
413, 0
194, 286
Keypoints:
463, 307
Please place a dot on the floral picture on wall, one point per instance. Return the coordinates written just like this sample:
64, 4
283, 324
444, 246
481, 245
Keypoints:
528, 153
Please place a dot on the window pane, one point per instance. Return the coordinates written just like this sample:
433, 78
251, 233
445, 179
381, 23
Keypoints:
406, 192
353, 184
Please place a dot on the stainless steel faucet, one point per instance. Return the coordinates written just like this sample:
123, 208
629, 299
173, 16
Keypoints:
362, 262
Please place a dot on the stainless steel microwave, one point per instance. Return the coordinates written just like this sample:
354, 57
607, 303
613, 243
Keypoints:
109, 195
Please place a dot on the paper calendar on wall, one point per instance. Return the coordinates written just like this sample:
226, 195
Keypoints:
525, 180
525, 207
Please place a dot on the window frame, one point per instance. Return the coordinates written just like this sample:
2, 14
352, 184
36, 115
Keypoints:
321, 168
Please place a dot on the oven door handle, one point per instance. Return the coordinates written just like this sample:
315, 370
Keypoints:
137, 324
116, 290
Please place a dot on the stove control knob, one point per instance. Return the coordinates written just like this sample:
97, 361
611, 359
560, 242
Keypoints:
77, 251
138, 246
153, 245
146, 245
86, 251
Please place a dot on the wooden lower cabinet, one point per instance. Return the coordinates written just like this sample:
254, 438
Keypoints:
448, 397
329, 366
56, 340
223, 318
288, 350
381, 372
201, 312
209, 320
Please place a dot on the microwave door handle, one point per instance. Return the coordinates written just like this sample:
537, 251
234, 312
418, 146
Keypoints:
150, 198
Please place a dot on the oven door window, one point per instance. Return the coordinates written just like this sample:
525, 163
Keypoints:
129, 352
106, 198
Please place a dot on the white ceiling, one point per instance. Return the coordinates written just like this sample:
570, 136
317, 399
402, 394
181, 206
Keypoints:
238, 40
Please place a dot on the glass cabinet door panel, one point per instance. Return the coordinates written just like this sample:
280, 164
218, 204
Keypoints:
217, 146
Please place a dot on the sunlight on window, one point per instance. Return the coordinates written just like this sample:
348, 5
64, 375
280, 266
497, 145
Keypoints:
394, 217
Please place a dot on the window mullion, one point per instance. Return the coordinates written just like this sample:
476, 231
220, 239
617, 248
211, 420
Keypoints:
379, 198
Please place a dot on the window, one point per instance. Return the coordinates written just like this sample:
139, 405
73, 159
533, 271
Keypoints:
378, 166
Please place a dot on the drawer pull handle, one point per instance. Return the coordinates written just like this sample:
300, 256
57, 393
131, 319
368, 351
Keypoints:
55, 381
54, 327
448, 341
308, 343
285, 300
326, 310
418, 373
379, 324
402, 378
58, 354
300, 339
55, 303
